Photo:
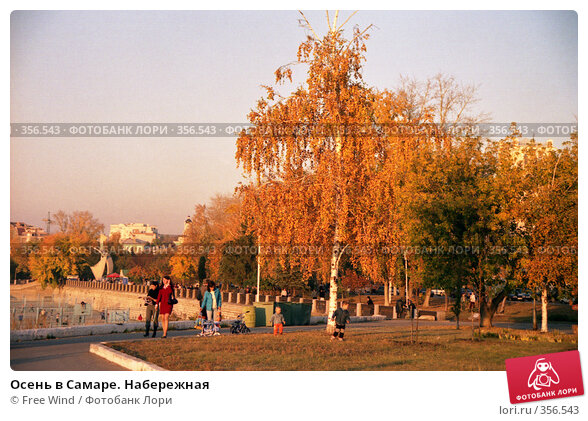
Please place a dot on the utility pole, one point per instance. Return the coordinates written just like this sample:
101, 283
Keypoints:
258, 268
407, 295
48, 221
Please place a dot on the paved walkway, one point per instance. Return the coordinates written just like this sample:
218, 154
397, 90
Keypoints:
72, 354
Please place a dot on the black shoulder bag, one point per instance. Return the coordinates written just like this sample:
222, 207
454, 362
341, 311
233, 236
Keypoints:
172, 298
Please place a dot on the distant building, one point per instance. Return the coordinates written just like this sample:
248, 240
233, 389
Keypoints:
134, 245
135, 231
26, 232
187, 225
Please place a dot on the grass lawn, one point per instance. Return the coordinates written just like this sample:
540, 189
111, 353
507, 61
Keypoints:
438, 348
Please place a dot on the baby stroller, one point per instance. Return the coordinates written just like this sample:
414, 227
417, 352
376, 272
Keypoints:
207, 327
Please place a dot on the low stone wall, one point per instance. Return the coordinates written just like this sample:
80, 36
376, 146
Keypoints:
106, 295
103, 329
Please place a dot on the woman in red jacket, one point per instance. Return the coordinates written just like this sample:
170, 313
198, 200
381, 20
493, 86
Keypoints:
165, 308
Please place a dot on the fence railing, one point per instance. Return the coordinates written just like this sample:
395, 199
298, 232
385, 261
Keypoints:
34, 315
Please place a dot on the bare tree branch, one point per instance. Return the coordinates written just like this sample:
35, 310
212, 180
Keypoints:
347, 20
309, 26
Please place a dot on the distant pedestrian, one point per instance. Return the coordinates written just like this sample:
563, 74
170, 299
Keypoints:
278, 321
322, 292
399, 307
472, 301
341, 318
370, 302
411, 309
200, 291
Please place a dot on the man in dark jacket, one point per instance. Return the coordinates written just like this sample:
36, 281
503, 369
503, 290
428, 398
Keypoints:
200, 291
151, 310
399, 308
341, 317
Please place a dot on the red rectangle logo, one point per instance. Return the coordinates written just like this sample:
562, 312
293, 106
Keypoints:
548, 376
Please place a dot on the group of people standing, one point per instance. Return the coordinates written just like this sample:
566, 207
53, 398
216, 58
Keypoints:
161, 298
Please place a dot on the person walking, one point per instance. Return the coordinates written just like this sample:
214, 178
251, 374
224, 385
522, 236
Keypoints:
472, 301
164, 297
341, 318
212, 302
200, 296
278, 321
151, 310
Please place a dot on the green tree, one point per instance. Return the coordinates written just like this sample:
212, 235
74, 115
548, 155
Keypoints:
548, 218
238, 264
202, 268
463, 226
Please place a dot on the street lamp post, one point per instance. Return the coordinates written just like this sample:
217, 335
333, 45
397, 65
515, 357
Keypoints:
258, 271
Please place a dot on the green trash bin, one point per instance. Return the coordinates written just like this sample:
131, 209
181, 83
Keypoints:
301, 313
263, 313
295, 314
249, 315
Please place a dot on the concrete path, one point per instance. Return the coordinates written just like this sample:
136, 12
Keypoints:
72, 354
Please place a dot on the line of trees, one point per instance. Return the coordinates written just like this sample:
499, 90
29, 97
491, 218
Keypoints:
351, 184
332, 165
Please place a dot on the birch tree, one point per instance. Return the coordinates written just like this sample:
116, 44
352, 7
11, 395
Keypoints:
310, 155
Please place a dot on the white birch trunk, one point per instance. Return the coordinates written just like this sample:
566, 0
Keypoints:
334, 256
333, 286
544, 310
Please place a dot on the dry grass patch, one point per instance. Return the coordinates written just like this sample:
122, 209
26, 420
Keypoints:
363, 349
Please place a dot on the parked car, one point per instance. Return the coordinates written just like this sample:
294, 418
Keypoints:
520, 295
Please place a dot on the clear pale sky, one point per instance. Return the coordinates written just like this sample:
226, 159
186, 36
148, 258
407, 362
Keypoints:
207, 67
